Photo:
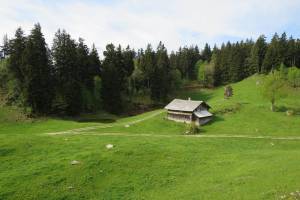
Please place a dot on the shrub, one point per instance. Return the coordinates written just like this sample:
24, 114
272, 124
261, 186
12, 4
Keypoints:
272, 89
206, 74
192, 129
293, 76
228, 91
290, 112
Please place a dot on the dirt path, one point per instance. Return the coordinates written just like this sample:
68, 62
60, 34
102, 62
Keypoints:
89, 131
193, 136
80, 130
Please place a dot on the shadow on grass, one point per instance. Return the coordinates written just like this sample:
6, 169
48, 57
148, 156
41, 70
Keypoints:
196, 95
100, 117
288, 108
85, 120
215, 119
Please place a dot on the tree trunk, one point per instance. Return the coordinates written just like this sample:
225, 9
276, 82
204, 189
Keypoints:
272, 106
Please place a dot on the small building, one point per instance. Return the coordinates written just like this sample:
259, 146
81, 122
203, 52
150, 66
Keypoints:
188, 111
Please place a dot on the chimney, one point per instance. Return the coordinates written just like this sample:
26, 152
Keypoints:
189, 98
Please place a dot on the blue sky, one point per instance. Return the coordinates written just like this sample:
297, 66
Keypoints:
138, 22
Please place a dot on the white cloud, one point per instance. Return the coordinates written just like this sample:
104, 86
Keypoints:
138, 22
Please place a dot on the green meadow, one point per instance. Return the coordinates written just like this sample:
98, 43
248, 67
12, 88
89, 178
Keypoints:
246, 152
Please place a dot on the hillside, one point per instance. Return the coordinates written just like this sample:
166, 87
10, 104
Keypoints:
151, 158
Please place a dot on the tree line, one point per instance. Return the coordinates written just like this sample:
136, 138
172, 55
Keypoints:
70, 78
233, 62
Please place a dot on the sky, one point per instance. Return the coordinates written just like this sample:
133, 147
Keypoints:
139, 22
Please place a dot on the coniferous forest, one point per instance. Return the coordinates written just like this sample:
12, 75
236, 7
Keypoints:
71, 78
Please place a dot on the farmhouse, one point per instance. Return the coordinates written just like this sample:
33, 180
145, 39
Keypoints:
189, 111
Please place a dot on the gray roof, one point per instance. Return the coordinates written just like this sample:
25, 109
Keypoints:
183, 105
202, 113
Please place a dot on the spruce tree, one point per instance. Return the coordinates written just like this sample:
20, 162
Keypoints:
113, 79
290, 59
160, 79
83, 64
272, 58
67, 73
206, 53
6, 45
128, 55
38, 73
16, 67
95, 66
257, 55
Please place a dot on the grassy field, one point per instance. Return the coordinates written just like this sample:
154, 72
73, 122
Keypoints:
151, 158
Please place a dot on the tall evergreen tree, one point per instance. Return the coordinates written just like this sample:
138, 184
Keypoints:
160, 79
113, 79
16, 65
84, 65
297, 53
16, 68
128, 55
6, 48
67, 73
94, 63
147, 64
272, 58
257, 55
283, 49
290, 59
207, 53
38, 73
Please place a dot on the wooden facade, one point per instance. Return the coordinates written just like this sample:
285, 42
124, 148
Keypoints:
188, 111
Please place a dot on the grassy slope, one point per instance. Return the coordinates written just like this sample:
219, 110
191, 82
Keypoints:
37, 166
253, 116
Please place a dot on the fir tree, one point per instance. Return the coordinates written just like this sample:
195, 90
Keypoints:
38, 73
206, 53
113, 79
16, 68
67, 73
272, 58
160, 79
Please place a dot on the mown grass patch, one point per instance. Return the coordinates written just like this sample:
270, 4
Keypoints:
151, 158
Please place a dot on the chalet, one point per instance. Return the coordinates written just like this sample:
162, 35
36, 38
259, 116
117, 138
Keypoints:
188, 111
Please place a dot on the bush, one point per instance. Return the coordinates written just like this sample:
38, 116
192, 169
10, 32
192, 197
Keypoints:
228, 91
273, 88
293, 76
290, 112
206, 73
192, 129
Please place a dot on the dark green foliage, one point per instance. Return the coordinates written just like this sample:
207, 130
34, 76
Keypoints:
160, 78
157, 73
276, 53
6, 46
231, 62
38, 80
185, 60
71, 78
113, 79
146, 63
67, 73
16, 66
85, 74
128, 56
257, 56
89, 67
97, 92
206, 53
